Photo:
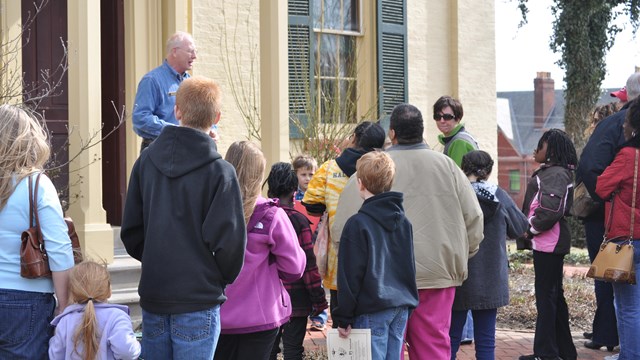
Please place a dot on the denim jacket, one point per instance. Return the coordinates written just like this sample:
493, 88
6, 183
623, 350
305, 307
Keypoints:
155, 100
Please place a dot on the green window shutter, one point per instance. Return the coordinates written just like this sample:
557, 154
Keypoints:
392, 57
301, 63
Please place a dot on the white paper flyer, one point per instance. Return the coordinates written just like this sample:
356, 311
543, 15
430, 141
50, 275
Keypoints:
356, 347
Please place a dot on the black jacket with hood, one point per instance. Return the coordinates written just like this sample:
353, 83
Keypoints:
376, 265
183, 220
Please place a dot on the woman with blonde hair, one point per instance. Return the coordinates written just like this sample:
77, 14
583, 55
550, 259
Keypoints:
273, 255
90, 328
28, 305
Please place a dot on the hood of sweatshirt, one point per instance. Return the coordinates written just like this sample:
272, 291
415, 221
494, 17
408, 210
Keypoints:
486, 193
78, 308
180, 150
385, 208
347, 160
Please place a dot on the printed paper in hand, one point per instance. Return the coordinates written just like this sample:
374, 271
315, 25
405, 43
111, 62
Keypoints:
356, 347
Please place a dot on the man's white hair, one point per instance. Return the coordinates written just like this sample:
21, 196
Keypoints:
176, 40
633, 86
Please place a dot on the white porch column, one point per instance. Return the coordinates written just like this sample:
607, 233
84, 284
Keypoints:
274, 75
85, 118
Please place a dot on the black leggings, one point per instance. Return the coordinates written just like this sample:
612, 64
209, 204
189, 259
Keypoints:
251, 346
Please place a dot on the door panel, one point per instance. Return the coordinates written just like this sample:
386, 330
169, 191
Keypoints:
113, 145
43, 53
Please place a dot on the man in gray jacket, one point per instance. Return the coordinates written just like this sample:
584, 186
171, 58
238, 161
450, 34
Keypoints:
447, 228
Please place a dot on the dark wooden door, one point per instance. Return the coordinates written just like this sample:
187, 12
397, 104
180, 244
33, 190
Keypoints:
114, 142
43, 64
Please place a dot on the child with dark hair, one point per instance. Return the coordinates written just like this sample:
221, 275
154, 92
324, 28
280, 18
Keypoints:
547, 202
327, 184
487, 286
447, 113
307, 295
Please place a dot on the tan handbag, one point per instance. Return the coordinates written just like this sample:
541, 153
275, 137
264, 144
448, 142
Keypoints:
34, 262
614, 261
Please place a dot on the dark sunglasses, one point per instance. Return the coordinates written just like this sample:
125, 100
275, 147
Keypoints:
447, 117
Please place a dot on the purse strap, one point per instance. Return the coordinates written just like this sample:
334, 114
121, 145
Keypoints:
633, 198
34, 220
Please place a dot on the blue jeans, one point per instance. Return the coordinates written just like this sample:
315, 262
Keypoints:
24, 324
180, 336
484, 332
387, 331
627, 301
467, 330
604, 326
322, 317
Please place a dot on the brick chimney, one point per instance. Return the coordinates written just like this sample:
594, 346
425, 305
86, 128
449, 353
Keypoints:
543, 97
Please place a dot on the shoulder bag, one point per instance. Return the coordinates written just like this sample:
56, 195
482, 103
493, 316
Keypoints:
34, 262
614, 261
583, 204
321, 246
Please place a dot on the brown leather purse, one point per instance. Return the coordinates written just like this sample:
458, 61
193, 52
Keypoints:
614, 261
34, 262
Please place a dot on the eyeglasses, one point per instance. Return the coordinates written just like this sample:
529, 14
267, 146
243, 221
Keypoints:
189, 51
446, 117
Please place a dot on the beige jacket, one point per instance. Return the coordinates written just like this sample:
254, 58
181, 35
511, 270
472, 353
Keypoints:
442, 207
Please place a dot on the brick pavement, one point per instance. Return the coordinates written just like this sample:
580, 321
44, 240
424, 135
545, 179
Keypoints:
509, 343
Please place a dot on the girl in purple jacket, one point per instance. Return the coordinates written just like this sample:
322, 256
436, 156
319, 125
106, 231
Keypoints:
257, 302
91, 328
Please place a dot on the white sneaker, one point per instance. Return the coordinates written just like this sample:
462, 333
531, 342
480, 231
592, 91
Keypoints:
611, 357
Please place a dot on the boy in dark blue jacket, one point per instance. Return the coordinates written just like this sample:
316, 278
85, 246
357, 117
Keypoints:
376, 269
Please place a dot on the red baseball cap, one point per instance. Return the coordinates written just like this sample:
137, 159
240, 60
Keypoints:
620, 94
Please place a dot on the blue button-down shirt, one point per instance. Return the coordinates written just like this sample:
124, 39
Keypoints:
155, 100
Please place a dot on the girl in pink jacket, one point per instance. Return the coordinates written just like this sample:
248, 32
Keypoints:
257, 302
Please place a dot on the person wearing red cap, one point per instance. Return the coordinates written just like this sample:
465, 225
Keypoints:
621, 95
597, 154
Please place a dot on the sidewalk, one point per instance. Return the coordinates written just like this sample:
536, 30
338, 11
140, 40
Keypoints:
509, 343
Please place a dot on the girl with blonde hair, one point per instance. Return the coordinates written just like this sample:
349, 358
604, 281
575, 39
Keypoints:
27, 305
272, 255
90, 328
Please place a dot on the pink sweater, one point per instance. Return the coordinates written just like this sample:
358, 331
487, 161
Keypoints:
257, 300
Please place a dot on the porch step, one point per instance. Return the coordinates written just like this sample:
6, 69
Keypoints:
125, 276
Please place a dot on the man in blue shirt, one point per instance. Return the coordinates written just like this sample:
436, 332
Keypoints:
156, 94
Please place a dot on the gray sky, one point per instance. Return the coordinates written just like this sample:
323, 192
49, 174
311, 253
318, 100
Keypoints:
521, 52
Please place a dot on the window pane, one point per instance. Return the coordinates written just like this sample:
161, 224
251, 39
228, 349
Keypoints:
350, 11
514, 180
336, 14
329, 103
347, 56
348, 99
327, 14
338, 101
327, 55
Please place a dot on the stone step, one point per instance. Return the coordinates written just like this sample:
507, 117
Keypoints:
125, 276
125, 272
